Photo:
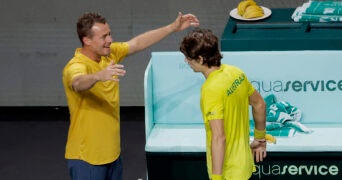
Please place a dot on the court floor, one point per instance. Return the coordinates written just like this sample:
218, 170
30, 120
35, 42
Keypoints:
32, 145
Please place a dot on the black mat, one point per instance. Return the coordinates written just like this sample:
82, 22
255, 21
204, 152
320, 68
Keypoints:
32, 142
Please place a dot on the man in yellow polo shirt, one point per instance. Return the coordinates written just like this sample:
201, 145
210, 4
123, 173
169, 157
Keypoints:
225, 98
91, 83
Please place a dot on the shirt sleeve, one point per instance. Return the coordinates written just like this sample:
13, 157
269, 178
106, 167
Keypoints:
119, 50
75, 69
212, 104
250, 86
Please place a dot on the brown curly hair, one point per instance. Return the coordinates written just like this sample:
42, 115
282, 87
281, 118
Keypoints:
202, 42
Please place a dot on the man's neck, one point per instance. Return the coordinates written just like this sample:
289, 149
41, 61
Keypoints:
208, 71
90, 54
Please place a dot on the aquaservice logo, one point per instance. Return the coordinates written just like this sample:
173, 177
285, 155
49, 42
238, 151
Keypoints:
296, 170
298, 86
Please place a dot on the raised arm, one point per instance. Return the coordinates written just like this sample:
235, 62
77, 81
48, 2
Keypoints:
151, 37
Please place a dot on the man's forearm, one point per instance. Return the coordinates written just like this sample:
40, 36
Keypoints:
84, 82
217, 152
259, 117
149, 38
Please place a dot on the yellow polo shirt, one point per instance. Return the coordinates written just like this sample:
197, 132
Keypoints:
94, 132
224, 95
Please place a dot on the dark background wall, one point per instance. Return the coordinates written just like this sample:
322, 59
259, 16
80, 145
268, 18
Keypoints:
38, 37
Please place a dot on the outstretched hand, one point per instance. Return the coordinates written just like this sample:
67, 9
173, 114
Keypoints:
184, 21
111, 72
258, 150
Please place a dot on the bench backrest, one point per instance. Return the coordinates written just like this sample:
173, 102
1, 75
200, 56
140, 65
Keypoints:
309, 80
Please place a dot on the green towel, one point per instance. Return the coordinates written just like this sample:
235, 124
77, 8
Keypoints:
319, 11
281, 132
325, 3
282, 118
323, 10
298, 126
317, 18
273, 125
280, 111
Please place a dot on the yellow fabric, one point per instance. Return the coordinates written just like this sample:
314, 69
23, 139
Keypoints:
224, 95
216, 177
259, 134
94, 132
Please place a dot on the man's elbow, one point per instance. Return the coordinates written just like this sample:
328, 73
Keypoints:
77, 87
220, 138
262, 105
259, 107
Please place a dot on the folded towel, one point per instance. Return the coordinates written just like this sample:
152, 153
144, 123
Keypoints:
319, 11
298, 126
324, 3
277, 130
301, 17
282, 118
281, 111
282, 132
323, 10
273, 125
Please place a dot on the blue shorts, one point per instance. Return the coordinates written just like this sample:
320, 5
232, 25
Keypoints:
81, 170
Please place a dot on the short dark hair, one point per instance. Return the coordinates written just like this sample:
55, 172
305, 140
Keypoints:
202, 42
86, 22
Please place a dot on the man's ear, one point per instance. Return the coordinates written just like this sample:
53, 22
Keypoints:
200, 59
86, 40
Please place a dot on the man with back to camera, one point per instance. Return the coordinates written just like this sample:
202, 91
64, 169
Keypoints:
225, 98
91, 83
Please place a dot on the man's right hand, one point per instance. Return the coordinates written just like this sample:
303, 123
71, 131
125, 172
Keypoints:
259, 149
111, 72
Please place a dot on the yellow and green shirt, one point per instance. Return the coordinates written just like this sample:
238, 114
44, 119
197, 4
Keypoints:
94, 132
224, 95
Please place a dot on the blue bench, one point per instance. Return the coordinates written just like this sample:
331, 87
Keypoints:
310, 80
